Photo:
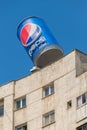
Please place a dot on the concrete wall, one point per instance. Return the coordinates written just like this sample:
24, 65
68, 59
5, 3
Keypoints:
81, 62
7, 95
69, 82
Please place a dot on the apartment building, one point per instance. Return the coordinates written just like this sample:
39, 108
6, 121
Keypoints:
53, 98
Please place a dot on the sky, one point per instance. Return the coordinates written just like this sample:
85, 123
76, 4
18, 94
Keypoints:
67, 20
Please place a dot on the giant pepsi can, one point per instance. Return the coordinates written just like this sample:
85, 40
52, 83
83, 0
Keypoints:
38, 41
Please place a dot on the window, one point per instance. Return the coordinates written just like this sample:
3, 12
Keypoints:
1, 108
21, 103
48, 118
22, 127
81, 100
48, 90
83, 127
69, 104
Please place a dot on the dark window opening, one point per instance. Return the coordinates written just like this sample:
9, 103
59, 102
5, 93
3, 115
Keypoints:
69, 104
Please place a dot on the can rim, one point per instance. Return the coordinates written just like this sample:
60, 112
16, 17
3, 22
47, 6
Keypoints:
26, 19
45, 49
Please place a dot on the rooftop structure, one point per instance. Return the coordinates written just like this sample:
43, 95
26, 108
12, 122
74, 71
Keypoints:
52, 98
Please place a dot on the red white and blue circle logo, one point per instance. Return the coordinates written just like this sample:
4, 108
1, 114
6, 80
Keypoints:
29, 33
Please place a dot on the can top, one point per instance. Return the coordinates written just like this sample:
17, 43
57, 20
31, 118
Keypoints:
27, 19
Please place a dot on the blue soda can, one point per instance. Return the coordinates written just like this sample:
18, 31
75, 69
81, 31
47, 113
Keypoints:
38, 41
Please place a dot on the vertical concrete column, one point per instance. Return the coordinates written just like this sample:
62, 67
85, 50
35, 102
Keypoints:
8, 112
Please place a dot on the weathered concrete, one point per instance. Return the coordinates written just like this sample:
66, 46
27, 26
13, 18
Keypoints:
70, 81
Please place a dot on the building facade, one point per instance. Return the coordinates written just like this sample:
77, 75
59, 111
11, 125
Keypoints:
53, 98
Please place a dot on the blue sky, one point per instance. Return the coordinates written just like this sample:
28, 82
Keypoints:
67, 20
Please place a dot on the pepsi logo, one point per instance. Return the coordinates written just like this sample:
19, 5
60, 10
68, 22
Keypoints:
29, 33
